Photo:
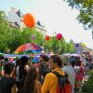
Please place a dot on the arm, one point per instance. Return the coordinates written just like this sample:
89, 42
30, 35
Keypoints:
26, 68
38, 87
47, 83
14, 89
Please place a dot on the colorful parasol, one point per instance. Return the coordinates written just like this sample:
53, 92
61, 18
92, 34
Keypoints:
27, 47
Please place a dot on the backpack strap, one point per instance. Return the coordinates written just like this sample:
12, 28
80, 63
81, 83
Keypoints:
58, 76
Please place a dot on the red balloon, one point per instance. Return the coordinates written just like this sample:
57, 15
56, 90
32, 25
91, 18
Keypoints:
29, 20
47, 37
59, 36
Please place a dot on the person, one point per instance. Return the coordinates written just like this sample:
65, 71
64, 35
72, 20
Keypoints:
51, 81
22, 70
67, 68
1, 65
32, 85
43, 67
79, 74
7, 82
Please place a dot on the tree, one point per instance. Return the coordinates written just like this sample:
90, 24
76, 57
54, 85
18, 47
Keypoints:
4, 28
86, 11
11, 38
70, 47
88, 85
2, 16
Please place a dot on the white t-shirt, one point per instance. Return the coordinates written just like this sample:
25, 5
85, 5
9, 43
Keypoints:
71, 75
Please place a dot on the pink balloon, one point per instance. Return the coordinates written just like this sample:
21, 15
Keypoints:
33, 37
59, 36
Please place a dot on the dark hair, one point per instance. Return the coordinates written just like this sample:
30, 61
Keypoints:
9, 67
90, 67
56, 59
30, 80
6, 59
22, 72
1, 57
45, 57
24, 59
78, 62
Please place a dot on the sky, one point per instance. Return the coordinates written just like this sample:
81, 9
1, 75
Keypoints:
57, 17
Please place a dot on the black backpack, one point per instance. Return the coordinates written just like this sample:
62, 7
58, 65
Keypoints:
64, 85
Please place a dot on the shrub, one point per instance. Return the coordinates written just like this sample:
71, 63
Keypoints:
88, 85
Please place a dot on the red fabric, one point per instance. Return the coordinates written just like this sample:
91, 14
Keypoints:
79, 76
65, 89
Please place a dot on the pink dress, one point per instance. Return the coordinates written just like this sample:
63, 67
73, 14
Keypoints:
79, 72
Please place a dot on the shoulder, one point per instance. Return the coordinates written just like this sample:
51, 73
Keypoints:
51, 75
11, 80
26, 67
38, 84
3, 78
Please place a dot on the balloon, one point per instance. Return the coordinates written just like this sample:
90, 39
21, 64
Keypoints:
83, 45
29, 20
77, 45
33, 37
47, 37
59, 36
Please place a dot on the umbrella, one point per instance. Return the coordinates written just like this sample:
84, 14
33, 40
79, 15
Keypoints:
27, 47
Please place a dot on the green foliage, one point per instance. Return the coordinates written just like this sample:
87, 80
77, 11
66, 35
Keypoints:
70, 47
88, 85
11, 38
86, 11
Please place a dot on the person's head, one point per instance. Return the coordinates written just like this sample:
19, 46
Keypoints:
66, 59
90, 67
1, 58
44, 58
32, 75
72, 61
6, 59
78, 63
24, 60
55, 61
9, 68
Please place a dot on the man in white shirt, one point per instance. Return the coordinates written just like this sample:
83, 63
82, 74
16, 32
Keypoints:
67, 68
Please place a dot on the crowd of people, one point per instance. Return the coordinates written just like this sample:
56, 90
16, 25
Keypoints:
23, 76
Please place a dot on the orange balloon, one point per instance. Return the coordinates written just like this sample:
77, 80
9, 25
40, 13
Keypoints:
29, 20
